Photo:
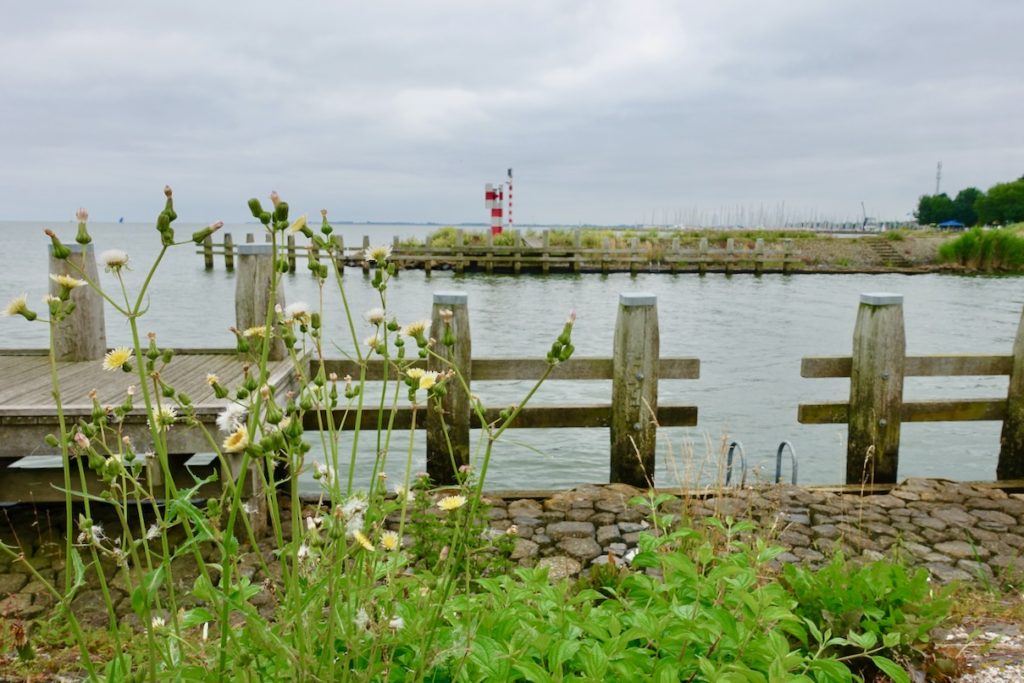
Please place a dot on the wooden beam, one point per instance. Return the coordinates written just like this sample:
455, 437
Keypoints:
939, 365
964, 410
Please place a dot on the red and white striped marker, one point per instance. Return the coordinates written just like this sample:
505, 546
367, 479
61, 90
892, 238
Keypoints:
492, 200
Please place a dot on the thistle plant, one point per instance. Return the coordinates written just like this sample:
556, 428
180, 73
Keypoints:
339, 589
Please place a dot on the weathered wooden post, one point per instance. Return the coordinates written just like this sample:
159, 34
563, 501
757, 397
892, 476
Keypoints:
208, 252
442, 463
759, 256
1011, 441
290, 253
730, 255
634, 250
876, 390
339, 253
460, 240
545, 265
252, 291
605, 246
82, 335
229, 252
787, 248
517, 241
577, 246
634, 390
674, 255
489, 243
366, 251
702, 256
250, 238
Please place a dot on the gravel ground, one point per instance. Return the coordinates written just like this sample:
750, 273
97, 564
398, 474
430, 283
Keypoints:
993, 652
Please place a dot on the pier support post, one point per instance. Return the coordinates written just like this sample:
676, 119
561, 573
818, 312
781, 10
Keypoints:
208, 253
876, 390
460, 241
366, 251
229, 252
339, 253
634, 390
442, 462
577, 246
1011, 441
252, 291
290, 253
82, 335
702, 256
759, 256
545, 266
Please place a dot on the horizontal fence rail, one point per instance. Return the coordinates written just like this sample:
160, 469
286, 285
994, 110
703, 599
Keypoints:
876, 409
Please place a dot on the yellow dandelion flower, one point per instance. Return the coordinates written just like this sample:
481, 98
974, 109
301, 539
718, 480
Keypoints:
449, 503
18, 305
389, 540
67, 281
428, 379
298, 225
415, 329
116, 358
257, 331
237, 440
362, 540
414, 373
212, 379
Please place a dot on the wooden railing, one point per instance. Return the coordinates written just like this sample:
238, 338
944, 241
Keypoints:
876, 409
632, 415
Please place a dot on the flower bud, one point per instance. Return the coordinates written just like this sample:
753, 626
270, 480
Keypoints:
255, 208
200, 236
83, 236
59, 250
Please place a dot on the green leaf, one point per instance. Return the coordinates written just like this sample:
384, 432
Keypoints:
532, 671
145, 592
196, 616
864, 641
891, 669
830, 670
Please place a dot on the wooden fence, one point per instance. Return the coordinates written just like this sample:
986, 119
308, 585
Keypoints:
632, 416
876, 409
541, 255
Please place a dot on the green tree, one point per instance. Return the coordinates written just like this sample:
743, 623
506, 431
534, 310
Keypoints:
932, 209
963, 205
1003, 203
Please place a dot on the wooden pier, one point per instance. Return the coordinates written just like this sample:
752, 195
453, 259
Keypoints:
517, 253
28, 413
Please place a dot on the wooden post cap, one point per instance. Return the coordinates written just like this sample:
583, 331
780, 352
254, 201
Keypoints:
638, 299
451, 298
252, 249
881, 299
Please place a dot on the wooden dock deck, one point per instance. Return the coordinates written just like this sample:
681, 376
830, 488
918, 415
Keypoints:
28, 412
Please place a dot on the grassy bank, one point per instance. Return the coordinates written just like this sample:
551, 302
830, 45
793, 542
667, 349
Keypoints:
999, 250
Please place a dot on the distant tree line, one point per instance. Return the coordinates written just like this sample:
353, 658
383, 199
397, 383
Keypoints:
1002, 204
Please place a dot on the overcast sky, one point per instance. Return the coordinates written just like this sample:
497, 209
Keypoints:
609, 112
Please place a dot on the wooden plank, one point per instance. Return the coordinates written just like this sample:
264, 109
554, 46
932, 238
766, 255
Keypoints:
532, 417
45, 484
964, 410
939, 365
576, 368
634, 390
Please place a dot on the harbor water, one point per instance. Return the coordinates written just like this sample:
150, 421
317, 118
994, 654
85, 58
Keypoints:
748, 332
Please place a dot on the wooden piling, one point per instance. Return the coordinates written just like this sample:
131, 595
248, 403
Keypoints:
229, 252
605, 246
442, 462
208, 252
702, 256
82, 335
460, 238
674, 259
787, 248
489, 242
290, 253
1011, 440
252, 291
339, 253
876, 390
545, 265
366, 251
759, 256
634, 250
634, 390
577, 245
517, 241
730, 255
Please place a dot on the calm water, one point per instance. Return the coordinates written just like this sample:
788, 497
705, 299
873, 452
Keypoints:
750, 334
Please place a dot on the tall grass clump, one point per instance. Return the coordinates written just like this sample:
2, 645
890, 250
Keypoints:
987, 250
407, 583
